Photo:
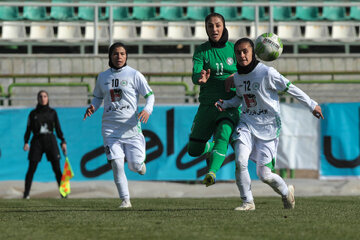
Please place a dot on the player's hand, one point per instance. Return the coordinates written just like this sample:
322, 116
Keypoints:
317, 112
143, 116
204, 76
229, 83
89, 111
26, 147
219, 104
64, 148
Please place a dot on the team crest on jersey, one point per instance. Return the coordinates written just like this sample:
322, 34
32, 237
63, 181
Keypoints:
230, 61
250, 100
116, 94
255, 86
123, 83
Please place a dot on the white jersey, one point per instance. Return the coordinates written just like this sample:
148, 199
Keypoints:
260, 100
120, 89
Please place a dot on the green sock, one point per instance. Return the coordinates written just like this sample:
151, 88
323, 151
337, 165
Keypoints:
208, 147
221, 138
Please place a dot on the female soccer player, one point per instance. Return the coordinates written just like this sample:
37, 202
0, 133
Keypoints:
41, 122
257, 134
213, 62
119, 87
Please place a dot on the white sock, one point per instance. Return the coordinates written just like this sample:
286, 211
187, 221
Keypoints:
120, 178
242, 175
272, 179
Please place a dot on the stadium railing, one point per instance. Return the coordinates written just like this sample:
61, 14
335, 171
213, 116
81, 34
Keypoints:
11, 86
172, 82
188, 95
107, 22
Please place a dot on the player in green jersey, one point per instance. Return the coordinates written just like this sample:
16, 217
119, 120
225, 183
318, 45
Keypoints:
213, 62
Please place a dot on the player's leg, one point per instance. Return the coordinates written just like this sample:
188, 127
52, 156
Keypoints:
243, 147
225, 124
265, 155
121, 181
135, 153
116, 157
53, 155
221, 141
29, 177
55, 164
201, 131
35, 155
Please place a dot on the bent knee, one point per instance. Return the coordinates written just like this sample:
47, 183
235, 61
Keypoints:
135, 167
195, 149
266, 178
241, 165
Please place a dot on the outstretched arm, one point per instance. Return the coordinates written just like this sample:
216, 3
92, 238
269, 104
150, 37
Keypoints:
305, 100
222, 105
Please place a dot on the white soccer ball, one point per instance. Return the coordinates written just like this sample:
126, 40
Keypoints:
268, 46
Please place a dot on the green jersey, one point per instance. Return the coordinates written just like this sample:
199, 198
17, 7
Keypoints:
222, 63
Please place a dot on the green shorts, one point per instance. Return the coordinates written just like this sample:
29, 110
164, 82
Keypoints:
207, 119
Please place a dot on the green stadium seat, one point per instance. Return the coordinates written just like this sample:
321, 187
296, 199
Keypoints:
334, 13
144, 13
62, 13
355, 12
248, 12
119, 13
281, 13
229, 13
197, 12
171, 13
307, 13
9, 13
35, 13
87, 13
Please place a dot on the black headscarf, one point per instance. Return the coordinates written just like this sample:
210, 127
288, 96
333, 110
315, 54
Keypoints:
254, 62
111, 49
225, 35
40, 106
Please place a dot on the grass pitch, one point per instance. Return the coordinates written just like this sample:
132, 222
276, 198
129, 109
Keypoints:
206, 218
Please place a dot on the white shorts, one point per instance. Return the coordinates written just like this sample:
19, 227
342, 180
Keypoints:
133, 149
261, 151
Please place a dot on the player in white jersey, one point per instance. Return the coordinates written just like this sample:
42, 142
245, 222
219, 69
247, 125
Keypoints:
257, 134
119, 87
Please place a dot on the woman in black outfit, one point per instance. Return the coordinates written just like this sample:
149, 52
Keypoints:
41, 122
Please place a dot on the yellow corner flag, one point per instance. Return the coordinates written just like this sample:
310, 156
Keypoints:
65, 179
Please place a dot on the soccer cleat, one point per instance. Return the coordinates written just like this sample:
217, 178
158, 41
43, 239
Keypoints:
125, 204
209, 179
26, 197
289, 200
246, 206
143, 169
